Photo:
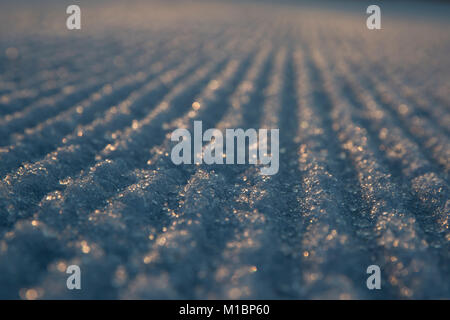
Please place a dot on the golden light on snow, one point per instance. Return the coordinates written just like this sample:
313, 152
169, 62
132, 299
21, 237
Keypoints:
61, 266
196, 105
31, 294
85, 248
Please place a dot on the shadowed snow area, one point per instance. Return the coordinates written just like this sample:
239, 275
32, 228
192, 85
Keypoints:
86, 176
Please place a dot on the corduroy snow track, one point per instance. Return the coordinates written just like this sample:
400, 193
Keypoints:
86, 176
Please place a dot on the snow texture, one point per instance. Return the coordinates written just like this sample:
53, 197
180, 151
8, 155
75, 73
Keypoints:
86, 176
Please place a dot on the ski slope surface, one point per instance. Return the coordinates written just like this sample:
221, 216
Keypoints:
86, 176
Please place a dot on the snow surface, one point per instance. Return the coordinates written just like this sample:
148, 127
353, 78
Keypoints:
86, 175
